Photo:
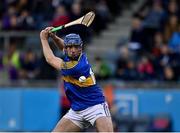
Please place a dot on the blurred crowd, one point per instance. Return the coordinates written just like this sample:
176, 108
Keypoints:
36, 14
19, 61
152, 51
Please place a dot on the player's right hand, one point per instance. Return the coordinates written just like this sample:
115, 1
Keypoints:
44, 34
52, 34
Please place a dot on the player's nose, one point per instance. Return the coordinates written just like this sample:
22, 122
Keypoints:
73, 49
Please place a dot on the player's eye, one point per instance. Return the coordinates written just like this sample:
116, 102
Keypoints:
73, 46
70, 46
76, 46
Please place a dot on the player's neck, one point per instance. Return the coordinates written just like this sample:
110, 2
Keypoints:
74, 58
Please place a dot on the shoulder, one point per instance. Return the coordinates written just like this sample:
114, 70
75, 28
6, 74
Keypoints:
84, 58
84, 54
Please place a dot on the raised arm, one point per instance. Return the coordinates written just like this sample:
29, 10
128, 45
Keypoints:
57, 40
54, 61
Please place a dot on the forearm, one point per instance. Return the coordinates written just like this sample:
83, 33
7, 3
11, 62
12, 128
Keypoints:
50, 58
48, 54
54, 61
58, 42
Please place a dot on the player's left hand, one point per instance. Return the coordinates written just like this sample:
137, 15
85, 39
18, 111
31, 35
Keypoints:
51, 34
44, 35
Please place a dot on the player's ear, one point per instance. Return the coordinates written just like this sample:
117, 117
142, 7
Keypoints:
64, 50
80, 50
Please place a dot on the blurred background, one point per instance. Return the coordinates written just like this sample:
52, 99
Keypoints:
134, 49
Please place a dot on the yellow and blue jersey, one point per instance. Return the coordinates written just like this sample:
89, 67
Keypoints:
80, 94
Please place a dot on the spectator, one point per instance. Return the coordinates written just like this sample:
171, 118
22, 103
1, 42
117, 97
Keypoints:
101, 69
158, 42
9, 20
11, 61
29, 66
170, 27
155, 16
165, 58
174, 42
102, 15
169, 58
25, 21
130, 72
61, 16
42, 11
23, 5
152, 23
124, 56
103, 11
137, 36
169, 74
173, 9
145, 69
76, 11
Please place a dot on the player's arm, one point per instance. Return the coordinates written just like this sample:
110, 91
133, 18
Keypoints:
57, 40
48, 54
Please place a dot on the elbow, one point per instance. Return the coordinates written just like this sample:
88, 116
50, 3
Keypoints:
49, 59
